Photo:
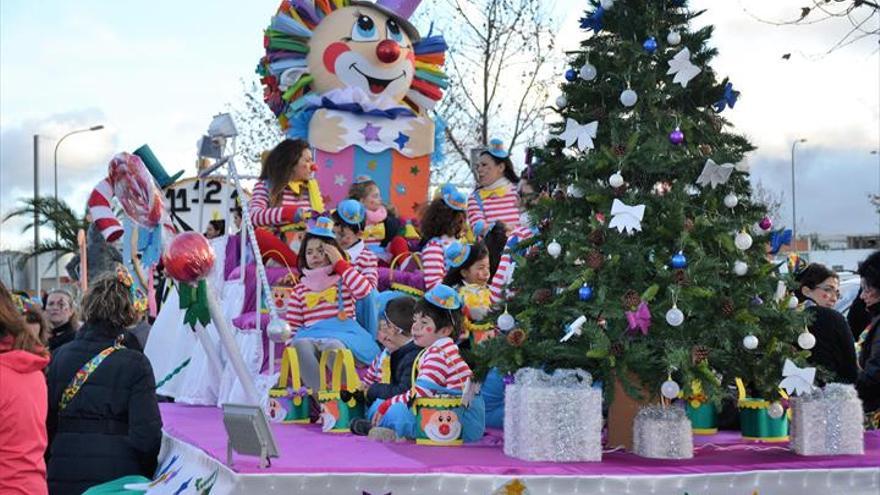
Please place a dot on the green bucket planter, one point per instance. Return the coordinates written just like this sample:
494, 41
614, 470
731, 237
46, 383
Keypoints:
757, 425
704, 417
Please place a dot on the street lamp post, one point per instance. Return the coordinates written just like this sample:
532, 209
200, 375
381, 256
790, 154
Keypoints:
71, 133
793, 201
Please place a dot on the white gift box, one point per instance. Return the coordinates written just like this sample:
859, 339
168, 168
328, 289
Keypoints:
828, 421
663, 432
554, 417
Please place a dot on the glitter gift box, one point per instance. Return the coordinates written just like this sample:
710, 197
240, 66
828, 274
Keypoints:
828, 421
663, 432
554, 417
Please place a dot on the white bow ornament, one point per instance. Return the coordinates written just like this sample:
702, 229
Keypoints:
714, 174
625, 218
583, 134
681, 66
797, 381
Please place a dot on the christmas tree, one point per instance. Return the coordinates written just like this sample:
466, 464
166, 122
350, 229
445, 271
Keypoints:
651, 262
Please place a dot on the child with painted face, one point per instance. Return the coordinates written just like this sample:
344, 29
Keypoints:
382, 228
439, 371
442, 223
348, 220
496, 199
321, 308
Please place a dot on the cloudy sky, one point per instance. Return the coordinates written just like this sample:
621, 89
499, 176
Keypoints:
156, 73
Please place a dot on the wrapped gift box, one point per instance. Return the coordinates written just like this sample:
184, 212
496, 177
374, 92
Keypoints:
828, 421
663, 432
554, 417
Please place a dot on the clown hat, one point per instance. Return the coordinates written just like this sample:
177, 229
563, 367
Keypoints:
155, 167
351, 211
481, 228
360, 179
399, 10
444, 297
454, 198
496, 149
323, 227
456, 254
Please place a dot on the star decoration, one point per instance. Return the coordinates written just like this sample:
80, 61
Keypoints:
401, 189
371, 132
339, 180
513, 487
681, 66
415, 170
326, 198
582, 134
401, 140
372, 165
329, 163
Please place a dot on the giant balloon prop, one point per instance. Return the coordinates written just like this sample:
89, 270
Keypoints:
356, 80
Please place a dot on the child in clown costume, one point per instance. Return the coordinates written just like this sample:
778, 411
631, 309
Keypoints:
439, 370
383, 227
442, 223
348, 220
321, 308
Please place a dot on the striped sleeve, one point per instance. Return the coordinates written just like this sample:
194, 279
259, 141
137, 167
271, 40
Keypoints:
433, 266
501, 279
368, 264
261, 214
374, 372
474, 212
431, 368
357, 284
295, 307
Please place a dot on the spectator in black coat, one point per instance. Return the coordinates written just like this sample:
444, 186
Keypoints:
857, 316
868, 382
61, 313
819, 289
111, 427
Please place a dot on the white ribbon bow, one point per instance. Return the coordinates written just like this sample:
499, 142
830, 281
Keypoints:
714, 174
681, 66
797, 381
574, 328
625, 218
583, 134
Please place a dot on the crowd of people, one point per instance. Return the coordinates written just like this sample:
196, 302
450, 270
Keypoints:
78, 404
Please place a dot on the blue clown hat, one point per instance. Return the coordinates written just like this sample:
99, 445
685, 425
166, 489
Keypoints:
456, 254
444, 296
496, 149
323, 228
351, 211
481, 228
360, 179
454, 198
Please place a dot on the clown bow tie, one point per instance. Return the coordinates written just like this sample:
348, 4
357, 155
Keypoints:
497, 192
328, 295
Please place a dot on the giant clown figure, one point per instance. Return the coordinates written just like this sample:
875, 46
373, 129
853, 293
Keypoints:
356, 80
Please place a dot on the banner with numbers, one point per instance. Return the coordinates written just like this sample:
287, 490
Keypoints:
219, 201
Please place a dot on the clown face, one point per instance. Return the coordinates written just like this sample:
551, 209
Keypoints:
329, 415
363, 48
441, 425
275, 411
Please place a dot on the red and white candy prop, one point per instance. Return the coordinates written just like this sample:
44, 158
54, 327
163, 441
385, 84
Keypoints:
188, 258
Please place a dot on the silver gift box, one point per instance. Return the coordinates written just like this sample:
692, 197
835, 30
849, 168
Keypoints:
663, 432
828, 421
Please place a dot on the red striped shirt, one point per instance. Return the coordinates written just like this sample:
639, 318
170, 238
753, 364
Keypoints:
367, 263
354, 287
495, 209
433, 263
263, 215
442, 365
374, 372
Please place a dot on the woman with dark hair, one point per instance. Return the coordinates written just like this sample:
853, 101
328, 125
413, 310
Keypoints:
496, 199
22, 403
868, 382
103, 420
442, 223
818, 289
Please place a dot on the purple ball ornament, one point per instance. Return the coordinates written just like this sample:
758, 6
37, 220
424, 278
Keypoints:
571, 75
765, 223
676, 137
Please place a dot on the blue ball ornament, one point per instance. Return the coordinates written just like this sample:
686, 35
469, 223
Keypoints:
571, 75
650, 44
679, 261
585, 293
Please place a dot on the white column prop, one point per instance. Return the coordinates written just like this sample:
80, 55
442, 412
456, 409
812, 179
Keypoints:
210, 349
228, 343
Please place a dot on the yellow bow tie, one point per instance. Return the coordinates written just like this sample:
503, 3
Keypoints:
497, 192
329, 295
297, 185
375, 231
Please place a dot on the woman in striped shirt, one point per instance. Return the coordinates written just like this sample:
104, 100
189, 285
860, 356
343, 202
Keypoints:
283, 199
496, 200
321, 307
442, 223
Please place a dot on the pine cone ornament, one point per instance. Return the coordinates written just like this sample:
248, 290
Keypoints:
618, 192
542, 296
620, 150
516, 337
616, 349
595, 260
699, 353
631, 299
705, 149
596, 237
599, 113
688, 224
727, 307
680, 277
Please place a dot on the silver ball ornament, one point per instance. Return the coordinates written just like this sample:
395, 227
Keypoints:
628, 97
750, 342
561, 101
670, 389
673, 38
588, 72
806, 340
606, 4
742, 241
793, 302
775, 410
554, 249
616, 180
278, 330
574, 191
731, 200
506, 322
674, 316
740, 268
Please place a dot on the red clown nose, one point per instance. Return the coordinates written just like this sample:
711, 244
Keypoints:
388, 51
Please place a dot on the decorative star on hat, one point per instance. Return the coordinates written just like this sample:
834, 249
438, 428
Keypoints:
444, 296
323, 227
496, 148
456, 254
351, 211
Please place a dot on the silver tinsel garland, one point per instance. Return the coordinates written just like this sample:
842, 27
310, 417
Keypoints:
554, 417
828, 421
663, 432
